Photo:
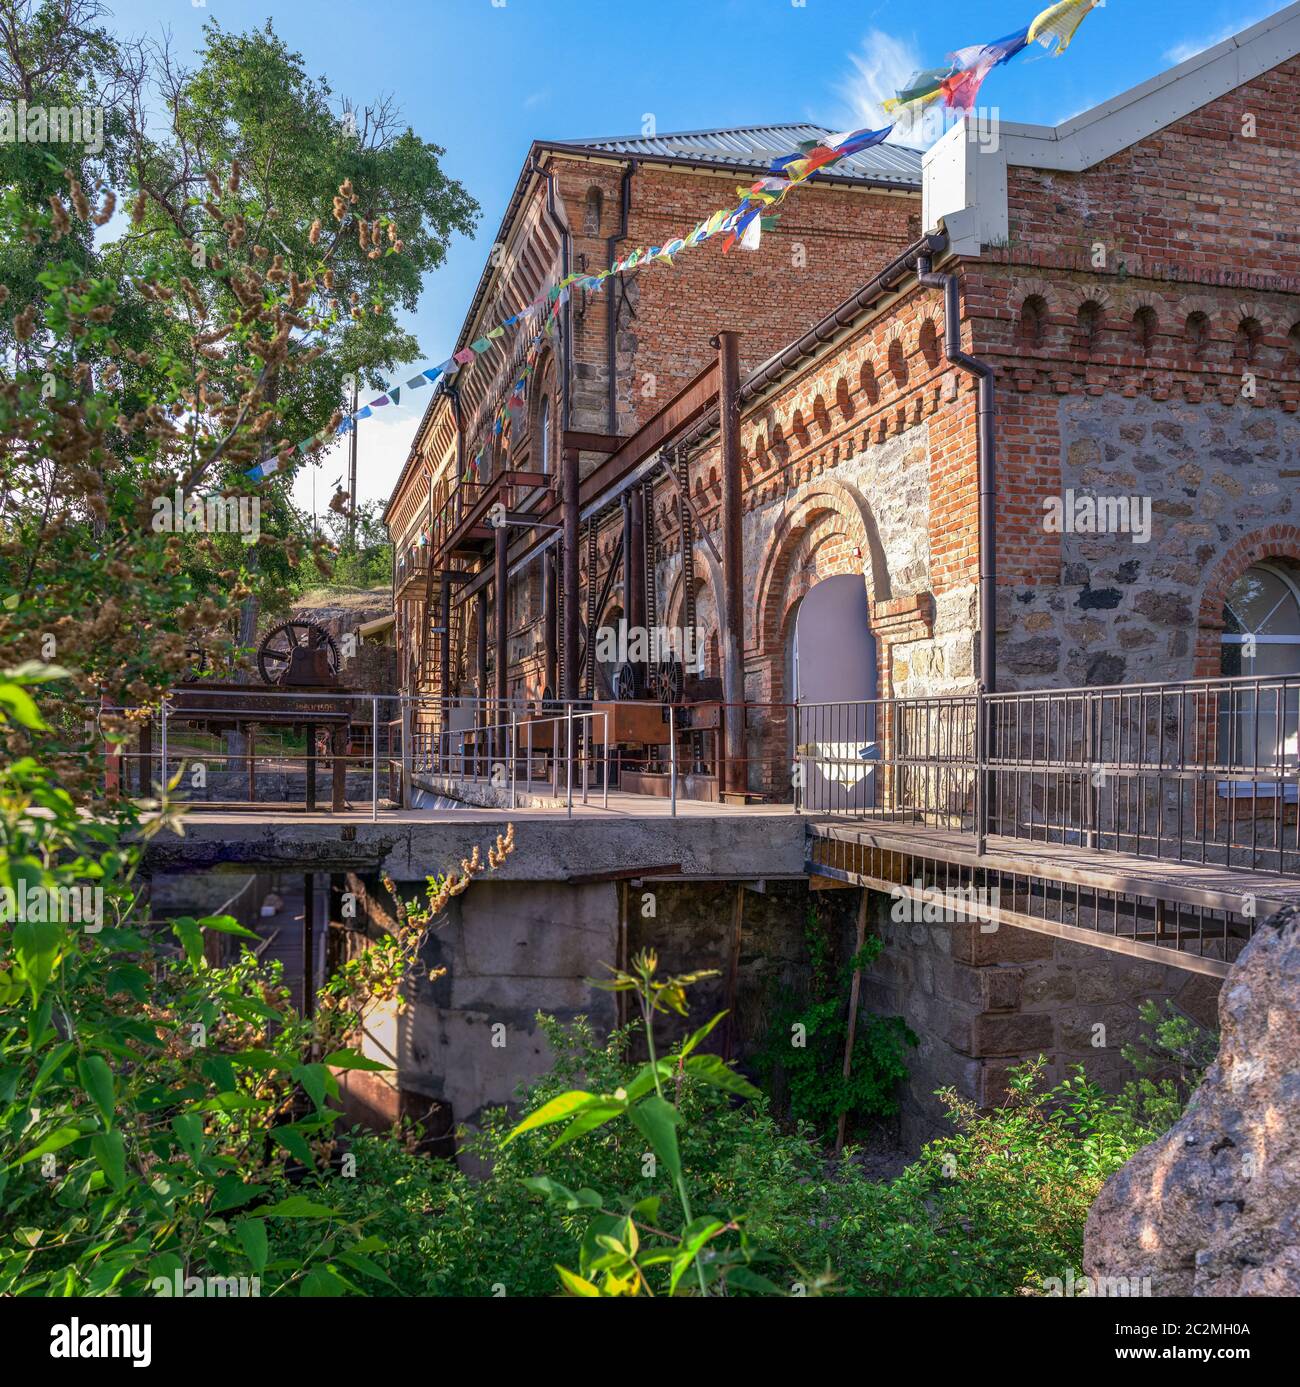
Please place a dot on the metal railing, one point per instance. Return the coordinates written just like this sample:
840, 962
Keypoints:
1200, 771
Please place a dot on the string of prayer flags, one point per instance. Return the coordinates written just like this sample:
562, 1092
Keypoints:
958, 84
1060, 22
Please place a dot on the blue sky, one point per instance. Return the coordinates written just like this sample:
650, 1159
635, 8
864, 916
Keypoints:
483, 78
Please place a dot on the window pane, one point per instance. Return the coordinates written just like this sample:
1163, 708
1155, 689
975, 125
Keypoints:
1263, 603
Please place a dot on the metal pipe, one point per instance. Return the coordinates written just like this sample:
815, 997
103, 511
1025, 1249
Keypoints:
566, 255
444, 645
500, 589
672, 759
986, 444
733, 561
550, 623
611, 304
568, 757
569, 497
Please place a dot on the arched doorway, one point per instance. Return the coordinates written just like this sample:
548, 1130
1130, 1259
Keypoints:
832, 673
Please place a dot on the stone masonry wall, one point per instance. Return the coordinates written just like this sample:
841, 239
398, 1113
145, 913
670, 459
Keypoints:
982, 1003
1127, 612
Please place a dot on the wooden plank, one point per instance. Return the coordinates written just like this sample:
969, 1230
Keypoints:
1192, 883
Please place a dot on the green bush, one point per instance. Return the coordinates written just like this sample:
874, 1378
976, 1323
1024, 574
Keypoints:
994, 1209
807, 1036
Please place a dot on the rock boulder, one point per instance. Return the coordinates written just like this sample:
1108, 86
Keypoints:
1213, 1207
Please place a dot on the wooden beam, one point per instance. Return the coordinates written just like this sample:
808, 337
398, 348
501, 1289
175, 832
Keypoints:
855, 989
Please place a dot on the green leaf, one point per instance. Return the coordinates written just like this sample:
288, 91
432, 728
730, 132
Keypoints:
19, 705
645, 1079
191, 936
295, 1143
699, 1035
233, 1192
295, 1206
657, 1120
57, 1139
226, 924
566, 1105
351, 1059
577, 1285
251, 1233
109, 1151
588, 1120
717, 1073
189, 1132
314, 1078
749, 1280
694, 1236
360, 1262
324, 1282
37, 944
562, 1194
49, 1064
97, 1079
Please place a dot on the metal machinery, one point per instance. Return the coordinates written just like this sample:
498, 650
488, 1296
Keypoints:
298, 658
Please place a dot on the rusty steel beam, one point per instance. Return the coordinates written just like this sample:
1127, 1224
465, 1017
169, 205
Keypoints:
501, 590
733, 564
591, 442
569, 493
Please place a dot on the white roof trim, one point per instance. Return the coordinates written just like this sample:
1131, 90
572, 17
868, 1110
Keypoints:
966, 170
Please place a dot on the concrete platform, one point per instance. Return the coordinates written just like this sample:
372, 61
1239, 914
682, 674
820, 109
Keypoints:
635, 832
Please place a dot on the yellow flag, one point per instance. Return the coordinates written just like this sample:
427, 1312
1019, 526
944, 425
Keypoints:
1058, 22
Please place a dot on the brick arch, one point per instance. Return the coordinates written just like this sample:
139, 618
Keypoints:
1272, 542
841, 511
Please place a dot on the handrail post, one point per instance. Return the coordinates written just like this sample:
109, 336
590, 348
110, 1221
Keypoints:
374, 759
568, 757
605, 716
512, 747
1089, 789
982, 773
672, 759
162, 751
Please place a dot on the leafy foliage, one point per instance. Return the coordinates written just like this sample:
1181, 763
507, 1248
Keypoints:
807, 1038
993, 1209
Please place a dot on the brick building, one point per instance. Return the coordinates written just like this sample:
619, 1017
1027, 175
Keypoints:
1035, 395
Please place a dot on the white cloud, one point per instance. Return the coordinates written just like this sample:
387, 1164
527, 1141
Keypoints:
1189, 48
880, 67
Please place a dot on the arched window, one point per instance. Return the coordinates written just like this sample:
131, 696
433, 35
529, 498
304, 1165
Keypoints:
1033, 320
1261, 640
1198, 332
1089, 324
544, 435
1145, 327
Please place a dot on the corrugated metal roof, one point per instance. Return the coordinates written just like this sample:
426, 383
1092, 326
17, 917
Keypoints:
755, 146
